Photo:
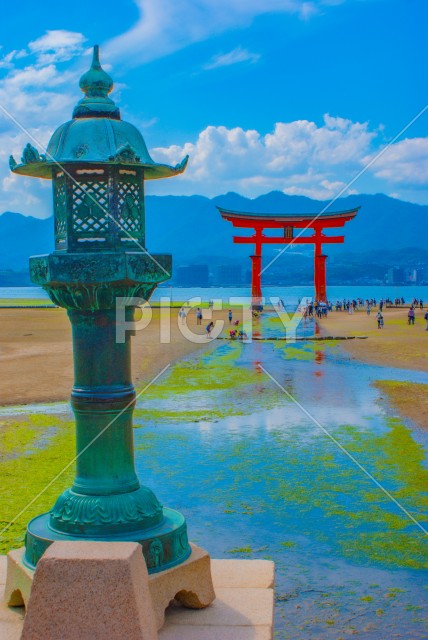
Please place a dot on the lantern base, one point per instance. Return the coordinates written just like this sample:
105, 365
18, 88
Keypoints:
164, 546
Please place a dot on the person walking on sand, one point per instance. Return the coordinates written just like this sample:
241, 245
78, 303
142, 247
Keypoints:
230, 316
426, 320
379, 318
182, 315
411, 316
209, 328
198, 316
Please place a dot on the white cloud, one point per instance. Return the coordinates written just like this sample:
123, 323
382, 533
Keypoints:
24, 195
165, 26
41, 92
405, 162
57, 46
297, 157
233, 57
7, 61
36, 76
325, 190
38, 96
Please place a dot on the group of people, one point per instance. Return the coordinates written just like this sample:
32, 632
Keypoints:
234, 334
400, 302
321, 310
356, 304
371, 303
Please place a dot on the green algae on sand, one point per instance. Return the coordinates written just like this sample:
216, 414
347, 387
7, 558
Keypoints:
211, 371
30, 466
312, 481
212, 384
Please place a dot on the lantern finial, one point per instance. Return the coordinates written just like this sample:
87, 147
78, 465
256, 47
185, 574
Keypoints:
96, 84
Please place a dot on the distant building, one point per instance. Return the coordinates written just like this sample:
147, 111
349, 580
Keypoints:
227, 274
395, 275
411, 276
192, 275
398, 275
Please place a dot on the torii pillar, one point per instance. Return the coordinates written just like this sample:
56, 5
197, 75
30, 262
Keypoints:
256, 271
256, 280
320, 267
320, 277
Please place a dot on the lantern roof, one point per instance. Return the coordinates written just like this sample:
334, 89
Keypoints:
95, 135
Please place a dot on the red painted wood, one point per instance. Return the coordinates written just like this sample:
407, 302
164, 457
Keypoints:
297, 240
317, 224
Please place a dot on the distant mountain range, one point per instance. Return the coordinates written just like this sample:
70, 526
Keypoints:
191, 228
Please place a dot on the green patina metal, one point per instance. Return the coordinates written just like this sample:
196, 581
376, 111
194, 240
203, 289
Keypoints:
98, 165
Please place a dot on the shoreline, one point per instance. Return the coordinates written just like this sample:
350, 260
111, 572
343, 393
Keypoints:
397, 345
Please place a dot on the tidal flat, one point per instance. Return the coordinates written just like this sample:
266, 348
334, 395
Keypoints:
257, 477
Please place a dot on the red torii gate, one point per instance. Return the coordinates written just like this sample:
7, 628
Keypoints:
288, 222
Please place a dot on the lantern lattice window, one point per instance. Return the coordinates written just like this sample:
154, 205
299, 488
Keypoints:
90, 219
129, 210
60, 208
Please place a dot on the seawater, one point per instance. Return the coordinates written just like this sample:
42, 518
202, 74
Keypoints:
290, 295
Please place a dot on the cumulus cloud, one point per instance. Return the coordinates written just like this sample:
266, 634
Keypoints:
296, 157
38, 94
233, 57
38, 90
24, 195
405, 162
324, 190
165, 26
57, 46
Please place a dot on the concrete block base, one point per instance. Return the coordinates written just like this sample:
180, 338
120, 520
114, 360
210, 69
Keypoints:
243, 609
190, 583
90, 591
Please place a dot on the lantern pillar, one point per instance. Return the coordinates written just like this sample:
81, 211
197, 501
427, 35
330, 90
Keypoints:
98, 165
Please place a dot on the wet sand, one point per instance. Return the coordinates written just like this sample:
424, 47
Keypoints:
36, 362
396, 345
408, 398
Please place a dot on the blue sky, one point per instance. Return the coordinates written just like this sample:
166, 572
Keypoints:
263, 94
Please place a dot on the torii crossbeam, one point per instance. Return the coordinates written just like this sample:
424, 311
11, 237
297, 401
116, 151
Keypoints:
288, 223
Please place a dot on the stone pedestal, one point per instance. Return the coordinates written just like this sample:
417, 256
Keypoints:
242, 610
90, 591
189, 583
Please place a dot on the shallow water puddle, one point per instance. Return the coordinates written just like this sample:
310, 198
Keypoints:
261, 480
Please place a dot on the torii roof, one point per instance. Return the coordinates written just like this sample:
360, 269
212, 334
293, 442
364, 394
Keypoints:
288, 218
